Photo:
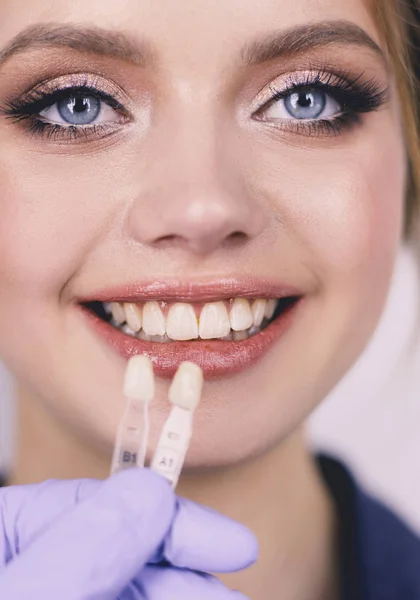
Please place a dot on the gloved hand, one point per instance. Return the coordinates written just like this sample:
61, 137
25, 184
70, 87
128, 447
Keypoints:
128, 537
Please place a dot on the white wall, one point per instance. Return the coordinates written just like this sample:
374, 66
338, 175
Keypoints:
7, 418
372, 418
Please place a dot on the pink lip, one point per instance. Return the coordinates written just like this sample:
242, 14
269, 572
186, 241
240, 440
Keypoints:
176, 291
217, 358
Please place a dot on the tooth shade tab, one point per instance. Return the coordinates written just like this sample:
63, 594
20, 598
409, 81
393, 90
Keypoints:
181, 323
139, 383
186, 387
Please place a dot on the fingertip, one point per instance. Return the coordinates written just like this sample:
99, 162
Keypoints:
239, 596
142, 478
143, 494
206, 540
250, 544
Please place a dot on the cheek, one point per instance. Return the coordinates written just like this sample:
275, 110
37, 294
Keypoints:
343, 208
357, 214
51, 218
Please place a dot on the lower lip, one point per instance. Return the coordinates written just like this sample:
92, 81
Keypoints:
217, 358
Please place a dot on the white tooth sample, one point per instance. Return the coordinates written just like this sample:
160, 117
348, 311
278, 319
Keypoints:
238, 336
240, 315
133, 316
181, 322
258, 311
186, 387
153, 319
214, 321
139, 383
107, 307
118, 312
270, 309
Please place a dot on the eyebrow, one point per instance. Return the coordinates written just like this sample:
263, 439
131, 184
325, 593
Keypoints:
102, 42
308, 37
122, 46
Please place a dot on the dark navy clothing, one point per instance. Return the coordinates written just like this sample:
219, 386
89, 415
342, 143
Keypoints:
379, 554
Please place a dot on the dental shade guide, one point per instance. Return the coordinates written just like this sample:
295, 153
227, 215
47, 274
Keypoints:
133, 431
185, 395
131, 443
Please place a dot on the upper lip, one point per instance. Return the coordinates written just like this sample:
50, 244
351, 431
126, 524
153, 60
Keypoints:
172, 290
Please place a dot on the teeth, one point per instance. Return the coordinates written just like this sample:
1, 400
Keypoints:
161, 339
258, 311
126, 329
153, 319
253, 330
270, 308
133, 316
240, 315
238, 336
181, 322
118, 312
143, 336
149, 323
214, 321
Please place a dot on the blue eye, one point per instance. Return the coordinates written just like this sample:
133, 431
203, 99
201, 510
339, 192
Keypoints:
306, 104
79, 110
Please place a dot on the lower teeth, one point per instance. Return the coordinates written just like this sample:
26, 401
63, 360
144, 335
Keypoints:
236, 336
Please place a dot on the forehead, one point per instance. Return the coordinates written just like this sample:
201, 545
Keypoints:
185, 29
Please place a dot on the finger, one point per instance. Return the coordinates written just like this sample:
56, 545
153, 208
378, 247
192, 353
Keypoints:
204, 540
28, 510
94, 550
171, 583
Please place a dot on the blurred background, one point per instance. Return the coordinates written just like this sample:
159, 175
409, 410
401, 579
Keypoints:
371, 419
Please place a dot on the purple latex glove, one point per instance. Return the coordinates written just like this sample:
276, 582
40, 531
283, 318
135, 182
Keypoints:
97, 540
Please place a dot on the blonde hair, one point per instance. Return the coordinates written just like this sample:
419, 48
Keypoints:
399, 25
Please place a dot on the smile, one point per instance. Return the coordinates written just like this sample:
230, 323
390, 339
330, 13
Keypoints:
222, 335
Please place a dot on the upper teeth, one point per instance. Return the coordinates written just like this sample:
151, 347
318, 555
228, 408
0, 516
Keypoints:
216, 319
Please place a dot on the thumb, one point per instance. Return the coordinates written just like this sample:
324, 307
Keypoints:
94, 550
202, 539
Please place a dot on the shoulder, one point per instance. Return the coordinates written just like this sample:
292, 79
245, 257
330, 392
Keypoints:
389, 549
380, 553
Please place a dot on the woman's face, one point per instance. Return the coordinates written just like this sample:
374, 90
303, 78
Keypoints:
191, 153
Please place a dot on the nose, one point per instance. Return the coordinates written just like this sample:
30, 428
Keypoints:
194, 195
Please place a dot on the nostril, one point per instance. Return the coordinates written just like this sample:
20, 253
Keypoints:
173, 240
238, 235
236, 238
166, 238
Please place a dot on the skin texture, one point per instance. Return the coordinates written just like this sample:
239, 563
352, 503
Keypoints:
163, 197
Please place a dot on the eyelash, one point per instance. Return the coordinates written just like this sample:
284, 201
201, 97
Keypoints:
27, 111
352, 94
